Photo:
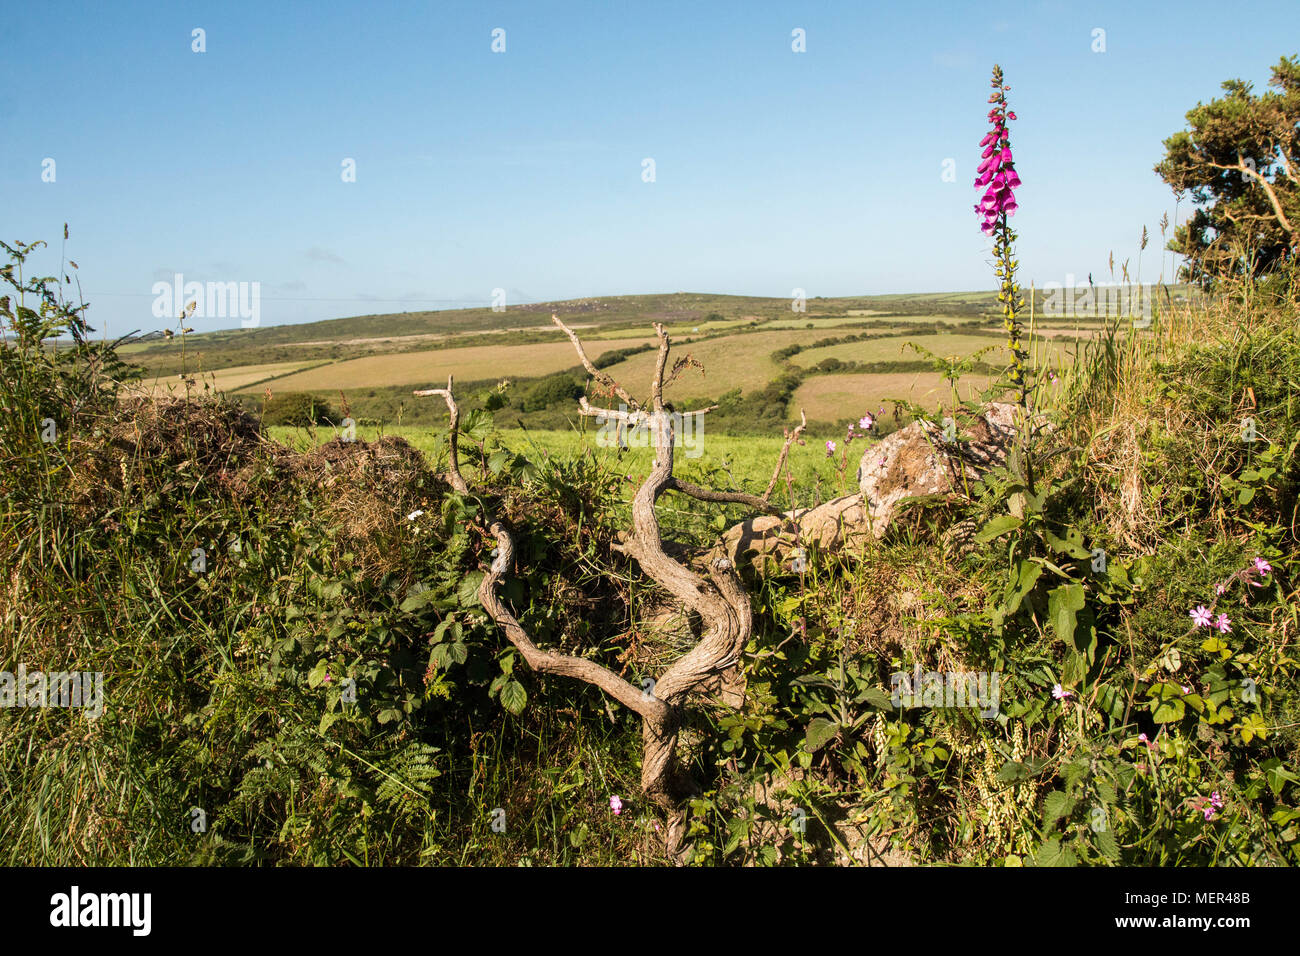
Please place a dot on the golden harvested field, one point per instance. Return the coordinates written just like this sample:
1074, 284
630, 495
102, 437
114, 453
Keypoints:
829, 398
825, 321
733, 361
230, 379
946, 345
467, 364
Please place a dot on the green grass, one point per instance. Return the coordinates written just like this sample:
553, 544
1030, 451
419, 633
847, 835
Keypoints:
355, 562
723, 461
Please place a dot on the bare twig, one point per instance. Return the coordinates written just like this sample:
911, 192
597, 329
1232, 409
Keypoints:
602, 377
454, 477
661, 363
790, 438
723, 497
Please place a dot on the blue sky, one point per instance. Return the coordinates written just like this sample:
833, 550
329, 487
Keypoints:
522, 170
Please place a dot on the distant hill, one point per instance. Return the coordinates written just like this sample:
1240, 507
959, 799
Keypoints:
611, 311
744, 341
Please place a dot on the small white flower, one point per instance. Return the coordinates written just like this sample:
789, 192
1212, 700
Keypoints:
415, 514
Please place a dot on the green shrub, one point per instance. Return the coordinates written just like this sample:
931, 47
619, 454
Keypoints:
296, 408
559, 389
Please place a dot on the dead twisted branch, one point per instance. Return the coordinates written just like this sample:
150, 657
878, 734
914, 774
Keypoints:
719, 598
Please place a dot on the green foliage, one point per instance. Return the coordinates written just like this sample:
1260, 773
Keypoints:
321, 710
301, 409
1234, 160
561, 389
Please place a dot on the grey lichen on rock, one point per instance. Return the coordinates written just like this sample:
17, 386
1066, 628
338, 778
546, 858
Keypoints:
912, 462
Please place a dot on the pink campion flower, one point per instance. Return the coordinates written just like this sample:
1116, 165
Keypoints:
866, 421
1143, 738
1215, 804
1220, 589
1262, 566
1060, 693
1200, 616
1223, 624
830, 448
616, 804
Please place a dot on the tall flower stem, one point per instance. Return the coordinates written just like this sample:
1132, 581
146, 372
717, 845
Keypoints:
1012, 303
998, 177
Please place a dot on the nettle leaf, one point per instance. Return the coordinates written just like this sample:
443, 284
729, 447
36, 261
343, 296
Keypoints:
1063, 606
1075, 771
1107, 846
1051, 853
1055, 807
820, 732
513, 697
1014, 771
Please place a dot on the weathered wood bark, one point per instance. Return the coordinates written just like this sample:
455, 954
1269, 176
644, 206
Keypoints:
715, 593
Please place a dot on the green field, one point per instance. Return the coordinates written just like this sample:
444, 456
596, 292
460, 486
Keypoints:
720, 461
739, 350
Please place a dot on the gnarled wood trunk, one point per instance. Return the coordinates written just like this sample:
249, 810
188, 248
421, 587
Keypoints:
717, 594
